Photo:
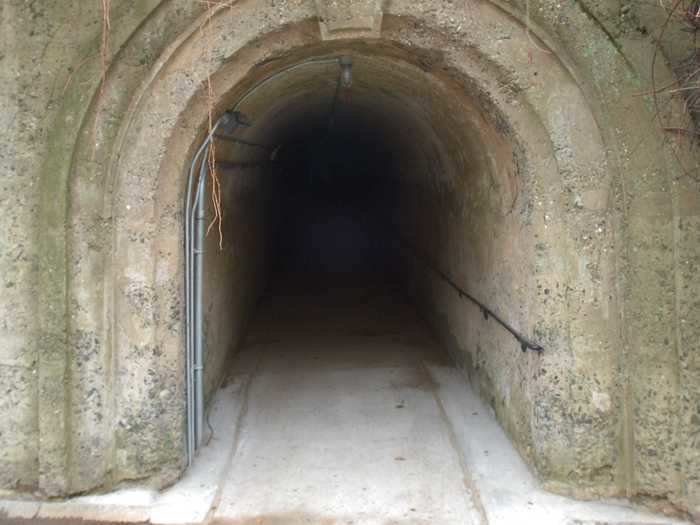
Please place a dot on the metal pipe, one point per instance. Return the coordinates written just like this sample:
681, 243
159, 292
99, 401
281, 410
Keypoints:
281, 72
189, 357
198, 305
189, 292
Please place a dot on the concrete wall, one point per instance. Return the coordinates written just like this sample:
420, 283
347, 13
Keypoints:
523, 228
595, 260
237, 263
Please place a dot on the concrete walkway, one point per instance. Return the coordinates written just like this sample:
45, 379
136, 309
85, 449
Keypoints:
342, 424
341, 409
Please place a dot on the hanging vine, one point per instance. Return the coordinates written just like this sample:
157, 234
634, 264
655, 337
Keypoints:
206, 30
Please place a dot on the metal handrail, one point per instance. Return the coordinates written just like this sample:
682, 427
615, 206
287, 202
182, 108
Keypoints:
525, 343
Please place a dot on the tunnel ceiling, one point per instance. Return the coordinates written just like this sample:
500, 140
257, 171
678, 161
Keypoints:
408, 103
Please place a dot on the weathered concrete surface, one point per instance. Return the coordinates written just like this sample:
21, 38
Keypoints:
509, 493
350, 413
350, 18
604, 221
240, 262
189, 501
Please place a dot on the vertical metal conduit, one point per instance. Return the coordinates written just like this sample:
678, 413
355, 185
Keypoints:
198, 252
193, 290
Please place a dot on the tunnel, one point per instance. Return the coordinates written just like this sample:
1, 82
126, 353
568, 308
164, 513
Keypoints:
360, 190
438, 248
391, 175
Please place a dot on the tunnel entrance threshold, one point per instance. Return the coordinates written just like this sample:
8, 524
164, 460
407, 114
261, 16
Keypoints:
341, 409
342, 422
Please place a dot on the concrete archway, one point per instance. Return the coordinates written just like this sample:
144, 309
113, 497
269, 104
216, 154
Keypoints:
518, 163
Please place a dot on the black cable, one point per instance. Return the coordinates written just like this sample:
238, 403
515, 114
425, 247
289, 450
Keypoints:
334, 103
242, 141
224, 165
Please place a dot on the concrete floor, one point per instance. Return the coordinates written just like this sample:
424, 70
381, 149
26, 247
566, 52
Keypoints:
342, 424
341, 409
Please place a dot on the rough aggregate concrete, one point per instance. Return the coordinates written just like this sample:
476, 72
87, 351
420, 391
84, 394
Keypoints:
605, 225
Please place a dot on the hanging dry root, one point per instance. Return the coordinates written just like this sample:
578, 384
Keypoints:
104, 63
104, 46
217, 220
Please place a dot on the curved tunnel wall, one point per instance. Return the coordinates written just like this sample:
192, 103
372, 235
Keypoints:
429, 147
467, 180
607, 409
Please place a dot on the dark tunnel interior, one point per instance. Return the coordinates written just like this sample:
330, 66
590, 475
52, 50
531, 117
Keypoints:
334, 198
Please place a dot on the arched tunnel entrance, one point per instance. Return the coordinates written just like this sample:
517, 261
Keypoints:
348, 193
457, 185
483, 199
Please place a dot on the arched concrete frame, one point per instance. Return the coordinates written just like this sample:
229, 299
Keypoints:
128, 166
